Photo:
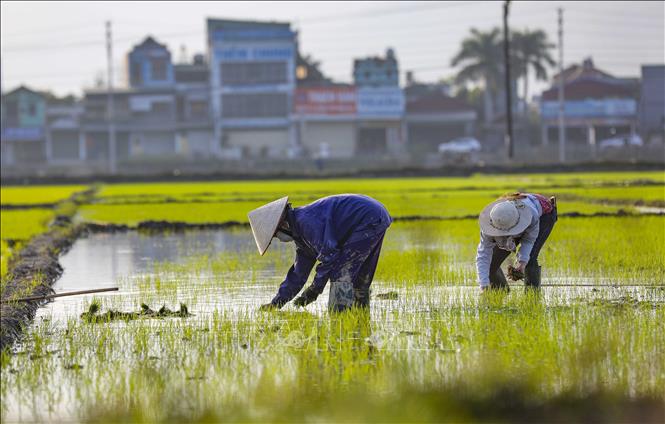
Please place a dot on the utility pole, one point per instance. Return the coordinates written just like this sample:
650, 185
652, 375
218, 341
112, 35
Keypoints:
110, 112
562, 124
506, 54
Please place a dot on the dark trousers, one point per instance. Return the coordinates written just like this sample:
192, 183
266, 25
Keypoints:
498, 279
350, 282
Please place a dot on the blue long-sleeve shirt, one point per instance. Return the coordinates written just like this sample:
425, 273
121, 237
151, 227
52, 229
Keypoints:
320, 231
527, 240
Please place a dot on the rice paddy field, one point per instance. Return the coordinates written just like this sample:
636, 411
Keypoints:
589, 346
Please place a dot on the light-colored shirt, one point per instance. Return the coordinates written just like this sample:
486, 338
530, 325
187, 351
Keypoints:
528, 238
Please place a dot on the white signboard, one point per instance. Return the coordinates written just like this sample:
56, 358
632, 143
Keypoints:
380, 101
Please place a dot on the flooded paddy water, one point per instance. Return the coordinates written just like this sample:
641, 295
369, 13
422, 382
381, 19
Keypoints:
126, 259
592, 335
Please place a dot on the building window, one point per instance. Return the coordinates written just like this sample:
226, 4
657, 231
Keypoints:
253, 73
198, 109
161, 108
264, 105
12, 113
159, 68
32, 109
135, 73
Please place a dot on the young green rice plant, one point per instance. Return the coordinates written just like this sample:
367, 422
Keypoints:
23, 224
40, 194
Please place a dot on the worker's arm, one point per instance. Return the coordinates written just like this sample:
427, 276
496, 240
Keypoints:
527, 241
327, 257
483, 260
295, 278
329, 250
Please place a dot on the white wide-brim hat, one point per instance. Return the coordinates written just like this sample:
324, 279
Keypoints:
264, 222
487, 227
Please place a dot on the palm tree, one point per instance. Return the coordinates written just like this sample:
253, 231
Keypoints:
480, 56
531, 51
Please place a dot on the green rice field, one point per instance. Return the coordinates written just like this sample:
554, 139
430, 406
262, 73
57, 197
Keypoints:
588, 347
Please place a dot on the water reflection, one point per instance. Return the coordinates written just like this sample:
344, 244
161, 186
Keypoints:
102, 259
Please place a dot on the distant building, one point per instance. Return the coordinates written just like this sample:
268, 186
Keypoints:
434, 118
195, 129
23, 126
327, 120
596, 105
652, 103
165, 113
252, 81
415, 89
376, 71
150, 65
63, 122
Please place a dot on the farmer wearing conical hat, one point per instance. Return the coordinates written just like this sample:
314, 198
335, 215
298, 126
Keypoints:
523, 219
344, 233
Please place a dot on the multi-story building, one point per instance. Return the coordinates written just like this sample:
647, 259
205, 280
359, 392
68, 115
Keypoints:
596, 106
163, 113
652, 103
23, 126
252, 80
376, 71
63, 122
380, 106
194, 134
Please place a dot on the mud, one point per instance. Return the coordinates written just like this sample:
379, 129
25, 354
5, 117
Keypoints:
32, 272
615, 202
618, 213
21, 206
92, 315
388, 296
151, 227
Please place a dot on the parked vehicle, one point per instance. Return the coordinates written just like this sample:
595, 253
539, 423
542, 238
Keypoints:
621, 141
460, 150
460, 145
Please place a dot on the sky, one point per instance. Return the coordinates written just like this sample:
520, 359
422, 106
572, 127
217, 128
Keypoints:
60, 46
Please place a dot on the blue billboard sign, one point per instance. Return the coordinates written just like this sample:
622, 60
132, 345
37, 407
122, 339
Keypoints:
22, 134
381, 101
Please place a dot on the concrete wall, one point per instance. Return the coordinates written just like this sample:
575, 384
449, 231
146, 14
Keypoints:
65, 145
339, 136
154, 143
652, 105
260, 142
194, 143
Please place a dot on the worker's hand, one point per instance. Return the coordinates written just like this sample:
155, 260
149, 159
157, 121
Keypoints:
520, 266
308, 296
268, 307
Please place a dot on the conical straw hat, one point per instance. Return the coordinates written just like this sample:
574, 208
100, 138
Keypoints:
264, 222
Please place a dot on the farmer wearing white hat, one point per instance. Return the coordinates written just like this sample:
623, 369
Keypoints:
344, 233
523, 219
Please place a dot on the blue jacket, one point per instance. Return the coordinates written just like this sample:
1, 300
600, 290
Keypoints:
320, 232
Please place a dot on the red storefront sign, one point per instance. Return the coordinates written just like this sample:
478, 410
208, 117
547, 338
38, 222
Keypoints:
325, 101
